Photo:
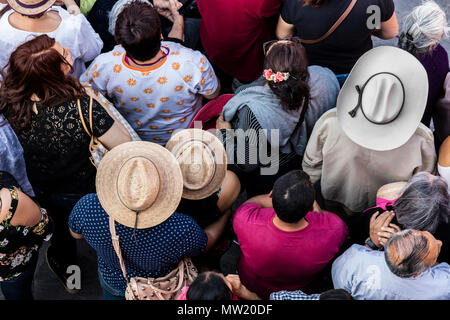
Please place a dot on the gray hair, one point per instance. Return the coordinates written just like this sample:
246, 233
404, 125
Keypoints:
424, 27
405, 253
424, 203
116, 10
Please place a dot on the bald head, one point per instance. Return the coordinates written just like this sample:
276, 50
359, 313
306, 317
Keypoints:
409, 253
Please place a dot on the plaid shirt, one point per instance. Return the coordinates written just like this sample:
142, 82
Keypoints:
293, 295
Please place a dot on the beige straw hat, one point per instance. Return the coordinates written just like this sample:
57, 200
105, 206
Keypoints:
202, 159
30, 7
391, 191
383, 99
139, 184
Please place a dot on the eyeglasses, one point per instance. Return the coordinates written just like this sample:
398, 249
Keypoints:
267, 45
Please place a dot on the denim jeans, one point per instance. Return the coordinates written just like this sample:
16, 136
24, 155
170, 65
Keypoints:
109, 293
20, 287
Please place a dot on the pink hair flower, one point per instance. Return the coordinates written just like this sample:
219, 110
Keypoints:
268, 73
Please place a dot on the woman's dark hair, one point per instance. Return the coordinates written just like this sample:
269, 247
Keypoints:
336, 294
314, 3
209, 286
290, 56
293, 196
138, 30
35, 68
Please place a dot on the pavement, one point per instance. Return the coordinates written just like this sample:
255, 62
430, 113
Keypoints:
47, 287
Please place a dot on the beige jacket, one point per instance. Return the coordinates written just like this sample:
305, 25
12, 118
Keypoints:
350, 174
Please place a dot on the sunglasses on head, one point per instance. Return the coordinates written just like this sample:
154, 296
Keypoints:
267, 45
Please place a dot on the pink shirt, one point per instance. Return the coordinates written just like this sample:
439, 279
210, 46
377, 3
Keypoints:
273, 259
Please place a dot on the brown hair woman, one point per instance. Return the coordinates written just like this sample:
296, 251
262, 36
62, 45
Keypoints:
40, 100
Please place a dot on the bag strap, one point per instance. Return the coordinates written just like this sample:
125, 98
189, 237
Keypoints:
116, 245
334, 26
82, 118
91, 100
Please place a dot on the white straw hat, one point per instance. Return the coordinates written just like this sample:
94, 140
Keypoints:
139, 184
383, 100
202, 159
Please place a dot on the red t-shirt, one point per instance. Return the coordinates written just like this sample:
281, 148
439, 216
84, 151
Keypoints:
233, 33
273, 259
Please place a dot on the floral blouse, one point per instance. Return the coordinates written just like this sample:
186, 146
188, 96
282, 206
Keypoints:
18, 244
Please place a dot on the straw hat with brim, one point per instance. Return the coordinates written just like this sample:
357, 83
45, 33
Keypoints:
202, 159
383, 100
30, 7
391, 191
139, 184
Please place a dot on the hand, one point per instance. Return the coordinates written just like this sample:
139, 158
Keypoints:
74, 9
378, 224
222, 124
239, 289
388, 232
168, 9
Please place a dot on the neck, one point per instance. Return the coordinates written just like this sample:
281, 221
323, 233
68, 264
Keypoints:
155, 58
290, 227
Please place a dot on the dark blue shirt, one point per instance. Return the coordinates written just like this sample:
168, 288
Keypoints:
153, 253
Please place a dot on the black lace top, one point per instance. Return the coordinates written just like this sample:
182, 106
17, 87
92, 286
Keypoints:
56, 147
18, 244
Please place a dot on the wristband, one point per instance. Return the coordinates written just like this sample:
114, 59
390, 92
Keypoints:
371, 244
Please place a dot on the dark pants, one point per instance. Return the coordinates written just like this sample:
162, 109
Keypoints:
59, 207
20, 287
108, 292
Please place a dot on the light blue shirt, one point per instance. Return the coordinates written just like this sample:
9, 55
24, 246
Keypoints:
11, 156
365, 275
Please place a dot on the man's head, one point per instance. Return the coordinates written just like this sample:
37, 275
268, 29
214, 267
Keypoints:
293, 196
410, 252
138, 30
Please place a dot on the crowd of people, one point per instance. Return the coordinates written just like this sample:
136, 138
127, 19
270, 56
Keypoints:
164, 131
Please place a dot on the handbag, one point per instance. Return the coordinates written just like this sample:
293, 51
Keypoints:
96, 148
168, 287
334, 26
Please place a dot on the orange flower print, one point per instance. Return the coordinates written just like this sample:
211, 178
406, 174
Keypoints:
87, 73
208, 91
180, 103
164, 99
211, 74
150, 105
167, 118
203, 60
141, 133
118, 90
116, 53
187, 78
94, 67
194, 107
131, 82
122, 103
175, 66
157, 139
169, 131
150, 119
137, 110
202, 70
162, 80
183, 120
138, 123
134, 99
95, 74
202, 82
117, 68
175, 53
154, 127
178, 88
148, 91
147, 73
166, 111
